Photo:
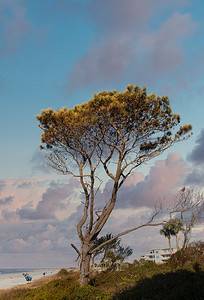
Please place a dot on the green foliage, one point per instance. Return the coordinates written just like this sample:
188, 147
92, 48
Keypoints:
118, 281
172, 227
167, 230
144, 121
58, 289
112, 251
63, 273
88, 292
188, 257
176, 225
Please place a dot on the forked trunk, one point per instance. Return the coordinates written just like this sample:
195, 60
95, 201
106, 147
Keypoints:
84, 265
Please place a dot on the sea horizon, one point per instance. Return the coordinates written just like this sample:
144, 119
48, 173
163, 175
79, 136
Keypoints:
23, 270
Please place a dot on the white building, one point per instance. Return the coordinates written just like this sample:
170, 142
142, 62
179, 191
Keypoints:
159, 255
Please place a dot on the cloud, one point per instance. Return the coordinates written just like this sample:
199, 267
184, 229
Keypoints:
196, 158
62, 8
14, 25
27, 190
165, 43
2, 185
197, 154
45, 242
164, 177
14, 246
123, 34
38, 163
6, 200
139, 191
102, 63
25, 185
52, 200
134, 179
38, 199
40, 224
196, 177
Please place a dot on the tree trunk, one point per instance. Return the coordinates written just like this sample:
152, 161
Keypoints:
177, 246
187, 232
169, 238
84, 265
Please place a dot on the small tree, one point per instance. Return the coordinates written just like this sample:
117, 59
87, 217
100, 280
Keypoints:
102, 251
113, 251
168, 231
176, 225
189, 205
114, 132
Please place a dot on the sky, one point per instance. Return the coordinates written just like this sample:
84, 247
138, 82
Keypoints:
59, 53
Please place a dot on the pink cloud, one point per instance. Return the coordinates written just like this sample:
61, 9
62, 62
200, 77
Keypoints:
14, 246
54, 199
118, 16
109, 59
166, 43
124, 34
37, 199
14, 25
134, 179
164, 177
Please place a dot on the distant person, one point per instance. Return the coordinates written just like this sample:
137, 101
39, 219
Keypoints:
27, 277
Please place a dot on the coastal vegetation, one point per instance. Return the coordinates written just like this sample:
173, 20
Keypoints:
107, 138
181, 277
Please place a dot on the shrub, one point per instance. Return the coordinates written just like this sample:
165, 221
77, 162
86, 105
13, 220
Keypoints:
62, 273
89, 293
185, 257
58, 289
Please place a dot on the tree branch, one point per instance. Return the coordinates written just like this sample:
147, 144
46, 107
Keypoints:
75, 248
149, 223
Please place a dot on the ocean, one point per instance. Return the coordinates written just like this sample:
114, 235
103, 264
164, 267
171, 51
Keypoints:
11, 271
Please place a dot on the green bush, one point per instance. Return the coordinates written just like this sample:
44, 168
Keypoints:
89, 293
58, 289
62, 273
185, 257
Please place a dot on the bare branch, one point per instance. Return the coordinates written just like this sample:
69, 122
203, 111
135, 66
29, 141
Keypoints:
149, 223
75, 248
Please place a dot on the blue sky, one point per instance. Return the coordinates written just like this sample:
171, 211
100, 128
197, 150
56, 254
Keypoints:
58, 53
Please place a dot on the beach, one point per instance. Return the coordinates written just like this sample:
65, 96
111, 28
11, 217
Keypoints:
9, 280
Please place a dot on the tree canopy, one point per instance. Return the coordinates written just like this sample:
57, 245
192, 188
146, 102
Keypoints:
115, 132
112, 123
